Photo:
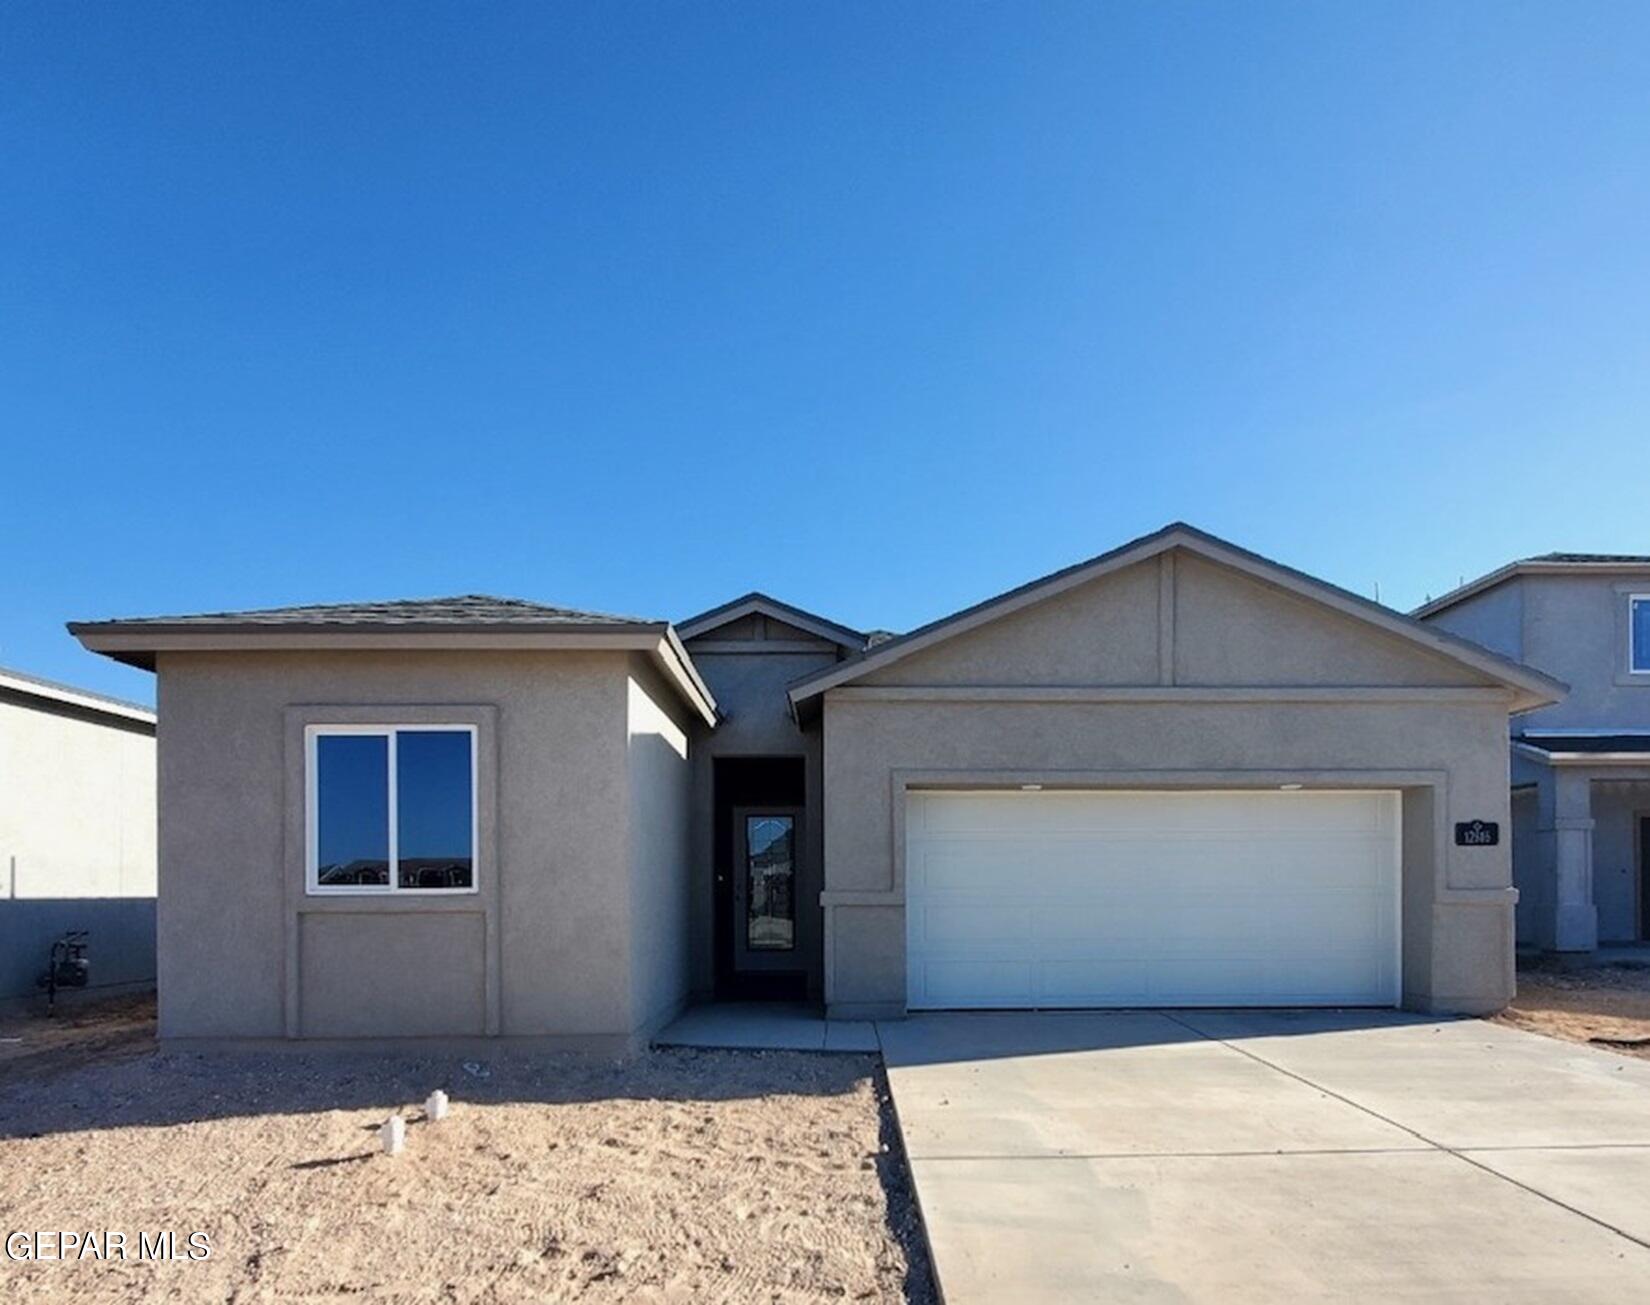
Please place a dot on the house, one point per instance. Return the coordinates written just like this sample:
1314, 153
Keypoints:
77, 833
1580, 767
1174, 774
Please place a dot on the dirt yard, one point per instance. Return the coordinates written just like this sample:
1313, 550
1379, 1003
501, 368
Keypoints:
1607, 1006
678, 1176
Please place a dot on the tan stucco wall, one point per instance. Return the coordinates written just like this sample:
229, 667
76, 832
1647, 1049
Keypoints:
661, 885
1232, 630
1443, 745
543, 949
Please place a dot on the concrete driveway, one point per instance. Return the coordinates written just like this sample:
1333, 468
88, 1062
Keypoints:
1271, 1156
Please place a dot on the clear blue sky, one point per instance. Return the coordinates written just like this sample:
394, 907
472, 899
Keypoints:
880, 307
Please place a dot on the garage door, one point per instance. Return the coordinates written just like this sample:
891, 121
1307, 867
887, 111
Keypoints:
1038, 899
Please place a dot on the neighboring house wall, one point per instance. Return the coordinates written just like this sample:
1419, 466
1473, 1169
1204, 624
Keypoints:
1570, 623
1575, 627
1618, 806
749, 688
1141, 704
1532, 861
1493, 618
77, 841
568, 743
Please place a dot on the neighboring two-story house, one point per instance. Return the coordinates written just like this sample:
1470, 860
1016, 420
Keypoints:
1580, 767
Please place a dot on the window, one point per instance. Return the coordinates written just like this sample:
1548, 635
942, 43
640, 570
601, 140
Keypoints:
391, 808
1638, 634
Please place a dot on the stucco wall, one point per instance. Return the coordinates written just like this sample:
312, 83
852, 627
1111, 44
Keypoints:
1493, 617
1617, 808
660, 880
77, 844
1407, 720
77, 806
543, 949
1575, 627
1532, 867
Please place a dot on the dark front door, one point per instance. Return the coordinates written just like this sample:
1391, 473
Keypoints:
1644, 878
762, 930
766, 841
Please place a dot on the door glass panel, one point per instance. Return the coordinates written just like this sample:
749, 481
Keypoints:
352, 820
770, 883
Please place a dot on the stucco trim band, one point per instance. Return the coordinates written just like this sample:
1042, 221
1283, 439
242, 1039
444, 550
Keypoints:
1163, 693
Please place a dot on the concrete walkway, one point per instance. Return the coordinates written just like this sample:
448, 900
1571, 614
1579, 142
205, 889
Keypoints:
766, 1026
1270, 1156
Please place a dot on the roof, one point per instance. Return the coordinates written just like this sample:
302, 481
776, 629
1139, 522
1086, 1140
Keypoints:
1532, 688
52, 694
1585, 747
755, 602
1542, 564
1595, 559
462, 621
459, 610
1589, 742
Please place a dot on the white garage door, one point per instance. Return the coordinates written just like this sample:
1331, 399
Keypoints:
1028, 899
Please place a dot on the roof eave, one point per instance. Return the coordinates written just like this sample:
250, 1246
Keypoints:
63, 695
139, 643
1512, 570
1582, 758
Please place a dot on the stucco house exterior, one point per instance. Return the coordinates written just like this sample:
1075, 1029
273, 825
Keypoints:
1581, 766
77, 833
1175, 774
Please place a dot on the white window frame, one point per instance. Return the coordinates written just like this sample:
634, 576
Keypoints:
312, 885
1633, 600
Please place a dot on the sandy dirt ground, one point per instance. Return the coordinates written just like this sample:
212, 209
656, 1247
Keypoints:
1607, 1006
681, 1175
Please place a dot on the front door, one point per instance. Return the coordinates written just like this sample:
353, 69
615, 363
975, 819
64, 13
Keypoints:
1644, 878
766, 841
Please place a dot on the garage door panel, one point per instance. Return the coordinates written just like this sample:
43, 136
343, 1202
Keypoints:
978, 982
1128, 898
959, 925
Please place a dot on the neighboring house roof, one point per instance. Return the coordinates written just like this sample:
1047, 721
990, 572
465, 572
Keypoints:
1586, 747
15, 686
462, 621
759, 603
1532, 688
1544, 564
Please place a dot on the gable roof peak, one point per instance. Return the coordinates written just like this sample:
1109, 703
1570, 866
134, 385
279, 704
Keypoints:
1533, 688
755, 601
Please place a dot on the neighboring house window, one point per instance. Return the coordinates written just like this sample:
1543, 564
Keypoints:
1638, 633
391, 808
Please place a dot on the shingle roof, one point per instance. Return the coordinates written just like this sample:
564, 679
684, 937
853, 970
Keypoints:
459, 610
1606, 559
